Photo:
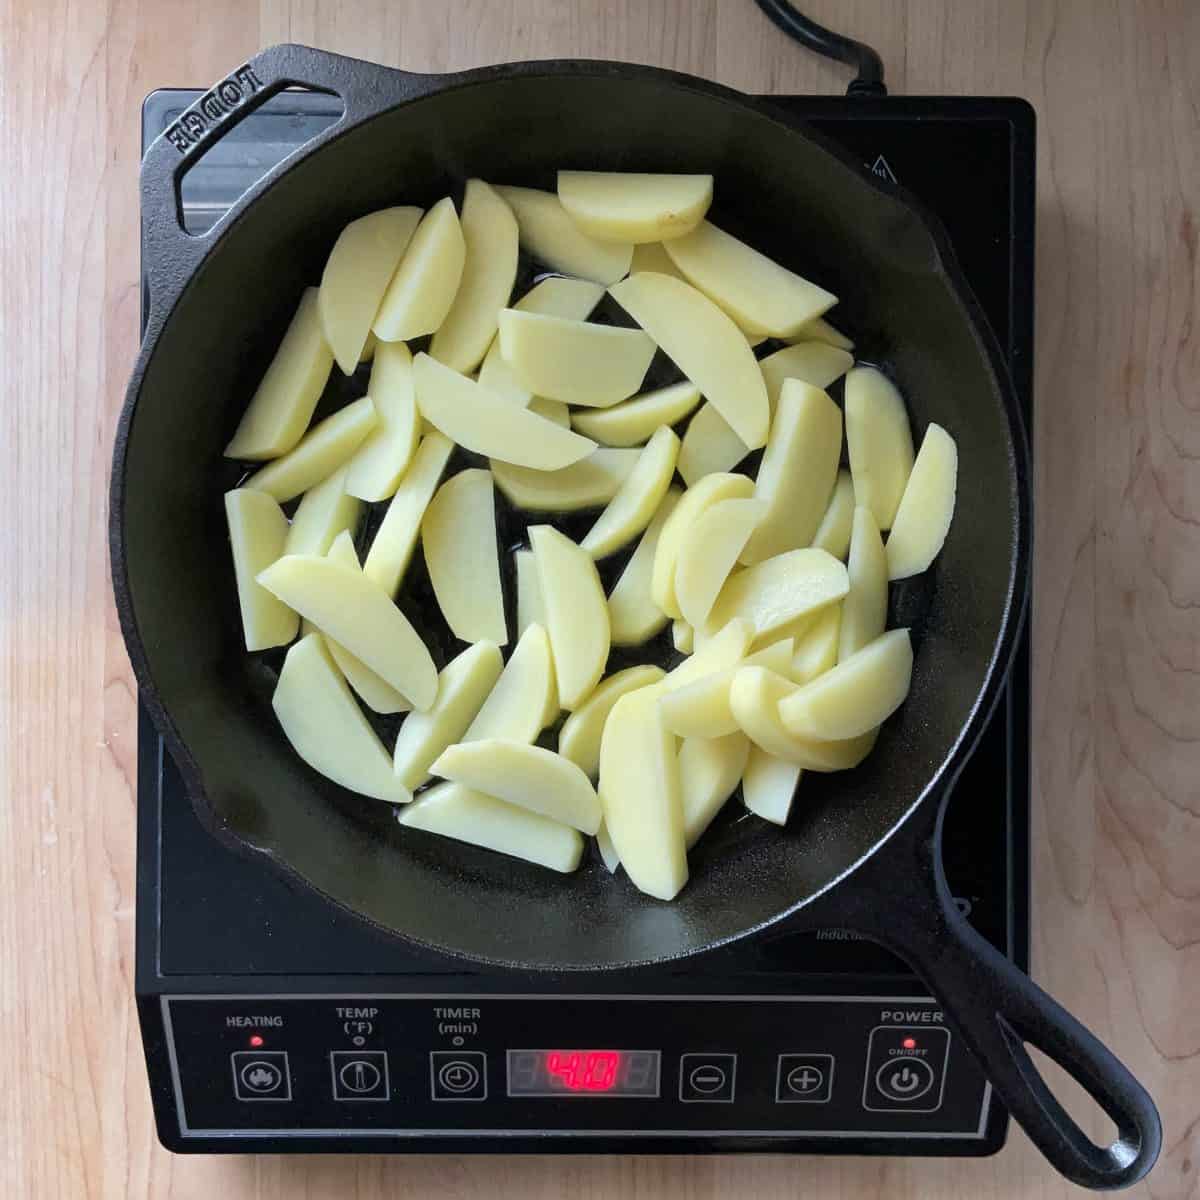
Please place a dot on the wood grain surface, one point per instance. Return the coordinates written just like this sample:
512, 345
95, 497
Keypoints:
1116, 649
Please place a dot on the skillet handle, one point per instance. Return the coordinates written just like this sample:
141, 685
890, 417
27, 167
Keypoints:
995, 1008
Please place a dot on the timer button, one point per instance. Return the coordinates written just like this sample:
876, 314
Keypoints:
458, 1074
707, 1078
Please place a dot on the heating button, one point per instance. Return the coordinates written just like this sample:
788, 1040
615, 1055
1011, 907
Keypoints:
261, 1075
906, 1069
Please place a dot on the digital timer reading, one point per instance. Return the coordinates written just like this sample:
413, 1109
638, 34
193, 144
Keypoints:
583, 1073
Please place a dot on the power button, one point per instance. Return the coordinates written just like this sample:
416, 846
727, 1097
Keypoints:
906, 1068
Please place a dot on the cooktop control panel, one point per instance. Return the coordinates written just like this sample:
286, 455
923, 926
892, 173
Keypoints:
570, 1066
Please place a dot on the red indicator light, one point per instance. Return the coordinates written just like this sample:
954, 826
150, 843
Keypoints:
584, 1070
256, 1040
909, 1043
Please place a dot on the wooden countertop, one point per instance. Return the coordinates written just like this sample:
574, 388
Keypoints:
1116, 645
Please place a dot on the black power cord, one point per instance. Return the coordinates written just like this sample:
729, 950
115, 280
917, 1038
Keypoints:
868, 64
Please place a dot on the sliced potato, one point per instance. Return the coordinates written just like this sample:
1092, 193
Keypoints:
579, 738
926, 508
756, 291
368, 350
526, 776
589, 483
552, 410
530, 609
489, 271
641, 796
710, 490
798, 471
257, 533
817, 647
650, 256
557, 296
704, 344
637, 500
482, 422
709, 771
463, 685
576, 613
709, 446
755, 697
423, 288
458, 535
683, 636
458, 812
377, 466
356, 276
773, 593
769, 785
608, 852
549, 235
864, 611
812, 362
709, 551
625, 206
879, 442
833, 534
524, 700
325, 726
322, 450
857, 696
632, 613
324, 511
576, 361
635, 421
283, 404
724, 649
376, 693
361, 616
820, 330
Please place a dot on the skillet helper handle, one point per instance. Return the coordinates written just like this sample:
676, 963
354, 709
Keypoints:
995, 1008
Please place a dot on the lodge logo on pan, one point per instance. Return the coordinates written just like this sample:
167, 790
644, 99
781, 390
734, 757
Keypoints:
213, 107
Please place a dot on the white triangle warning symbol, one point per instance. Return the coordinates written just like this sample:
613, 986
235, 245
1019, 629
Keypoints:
881, 168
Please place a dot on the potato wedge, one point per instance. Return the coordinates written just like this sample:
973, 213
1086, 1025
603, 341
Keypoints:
625, 206
530, 609
322, 450
724, 649
769, 785
457, 812
798, 471
857, 696
683, 636
641, 796
608, 852
356, 276
709, 446
283, 403
755, 696
524, 699
833, 534
257, 533
710, 490
576, 361
361, 616
820, 330
549, 235
864, 611
589, 483
463, 685
391, 550
813, 363
635, 421
376, 693
324, 511
926, 508
482, 422
377, 466
704, 344
709, 772
709, 551
551, 410
817, 647
579, 737
773, 593
325, 726
489, 271
650, 256
633, 616
423, 288
633, 507
879, 442
753, 289
576, 613
458, 535
368, 350
526, 776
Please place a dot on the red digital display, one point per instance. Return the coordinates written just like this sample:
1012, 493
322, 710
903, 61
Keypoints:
581, 1073
584, 1070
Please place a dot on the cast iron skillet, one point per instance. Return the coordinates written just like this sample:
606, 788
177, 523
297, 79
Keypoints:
218, 304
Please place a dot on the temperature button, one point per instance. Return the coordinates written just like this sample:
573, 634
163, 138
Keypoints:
906, 1069
458, 1074
359, 1074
